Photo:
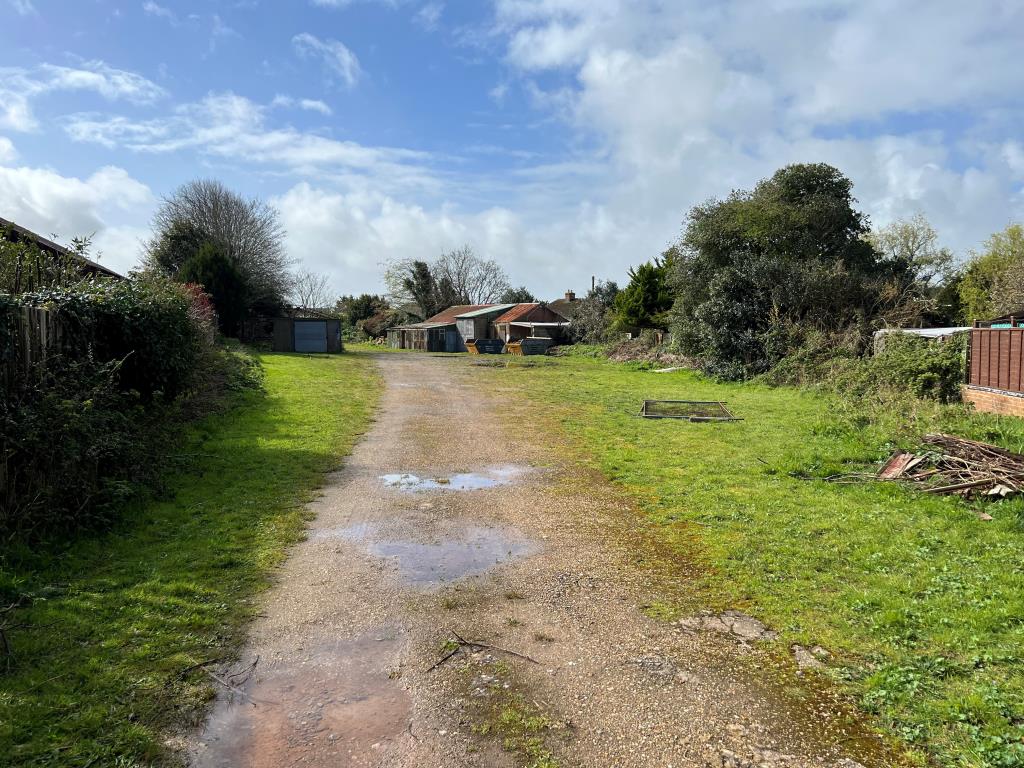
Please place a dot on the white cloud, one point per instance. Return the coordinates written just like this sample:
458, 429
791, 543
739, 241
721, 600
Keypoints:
18, 87
8, 153
153, 9
310, 105
232, 127
51, 204
337, 59
429, 16
23, 7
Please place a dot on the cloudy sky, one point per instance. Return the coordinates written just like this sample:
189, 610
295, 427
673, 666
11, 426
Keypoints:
565, 138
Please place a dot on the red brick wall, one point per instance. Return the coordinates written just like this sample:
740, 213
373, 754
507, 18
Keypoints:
994, 402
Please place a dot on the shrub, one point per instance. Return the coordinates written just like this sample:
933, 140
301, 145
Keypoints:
89, 426
144, 324
932, 370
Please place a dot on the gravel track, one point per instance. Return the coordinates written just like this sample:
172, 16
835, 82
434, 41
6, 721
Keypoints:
456, 516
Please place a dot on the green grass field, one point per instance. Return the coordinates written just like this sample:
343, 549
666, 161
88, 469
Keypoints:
920, 601
114, 618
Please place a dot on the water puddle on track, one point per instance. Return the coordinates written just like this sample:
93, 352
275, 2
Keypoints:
333, 703
472, 550
464, 481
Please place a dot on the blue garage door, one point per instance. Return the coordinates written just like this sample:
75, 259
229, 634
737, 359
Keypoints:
310, 335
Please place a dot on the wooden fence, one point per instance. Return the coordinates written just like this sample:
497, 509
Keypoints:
35, 334
995, 358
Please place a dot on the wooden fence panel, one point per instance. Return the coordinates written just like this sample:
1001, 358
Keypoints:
37, 334
997, 359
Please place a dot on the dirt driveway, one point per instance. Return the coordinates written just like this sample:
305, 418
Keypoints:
466, 597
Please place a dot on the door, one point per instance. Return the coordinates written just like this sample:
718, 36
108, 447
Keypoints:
310, 335
452, 340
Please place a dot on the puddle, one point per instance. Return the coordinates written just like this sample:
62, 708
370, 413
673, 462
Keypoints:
465, 481
332, 705
474, 550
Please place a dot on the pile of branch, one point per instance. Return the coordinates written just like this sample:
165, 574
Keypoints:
958, 466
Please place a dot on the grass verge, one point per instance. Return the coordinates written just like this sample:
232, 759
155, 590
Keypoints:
920, 601
112, 620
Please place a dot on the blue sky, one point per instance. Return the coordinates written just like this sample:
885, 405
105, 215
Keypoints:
565, 138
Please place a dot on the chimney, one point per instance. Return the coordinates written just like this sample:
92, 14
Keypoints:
570, 296
593, 282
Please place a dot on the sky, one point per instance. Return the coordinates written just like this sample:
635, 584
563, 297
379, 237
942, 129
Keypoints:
564, 138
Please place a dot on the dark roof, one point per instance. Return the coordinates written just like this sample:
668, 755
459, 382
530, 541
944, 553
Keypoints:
88, 265
564, 307
516, 313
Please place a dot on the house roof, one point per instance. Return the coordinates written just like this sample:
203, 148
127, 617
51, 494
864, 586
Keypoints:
448, 316
564, 307
88, 265
486, 309
517, 312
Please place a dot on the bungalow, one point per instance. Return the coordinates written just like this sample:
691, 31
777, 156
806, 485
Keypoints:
449, 330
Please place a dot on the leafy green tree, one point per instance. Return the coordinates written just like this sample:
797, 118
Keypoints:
219, 277
356, 308
752, 271
421, 287
645, 302
993, 281
520, 295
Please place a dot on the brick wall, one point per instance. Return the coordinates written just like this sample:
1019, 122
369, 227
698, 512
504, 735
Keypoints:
992, 401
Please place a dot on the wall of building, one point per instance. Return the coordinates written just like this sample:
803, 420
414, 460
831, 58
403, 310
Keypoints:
995, 401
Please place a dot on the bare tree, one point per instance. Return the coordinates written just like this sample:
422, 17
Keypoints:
309, 290
247, 231
472, 279
396, 272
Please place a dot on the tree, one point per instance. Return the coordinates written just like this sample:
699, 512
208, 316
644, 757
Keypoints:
590, 322
464, 278
221, 280
993, 281
645, 302
420, 286
247, 232
355, 308
758, 269
309, 290
919, 269
518, 295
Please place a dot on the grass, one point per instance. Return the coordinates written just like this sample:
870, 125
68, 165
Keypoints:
112, 620
920, 601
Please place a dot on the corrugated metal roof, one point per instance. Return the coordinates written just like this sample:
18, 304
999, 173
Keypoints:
486, 310
517, 311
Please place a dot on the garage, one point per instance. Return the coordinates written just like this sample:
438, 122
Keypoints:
310, 335
307, 334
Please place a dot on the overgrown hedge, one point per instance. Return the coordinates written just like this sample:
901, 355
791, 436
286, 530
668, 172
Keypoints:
84, 430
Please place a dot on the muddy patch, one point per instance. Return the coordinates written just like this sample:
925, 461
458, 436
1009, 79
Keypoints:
737, 625
463, 481
469, 551
334, 703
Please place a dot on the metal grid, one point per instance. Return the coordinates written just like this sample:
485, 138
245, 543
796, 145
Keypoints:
690, 410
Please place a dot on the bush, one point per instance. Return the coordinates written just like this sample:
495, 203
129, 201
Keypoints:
931, 370
146, 325
906, 365
89, 426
